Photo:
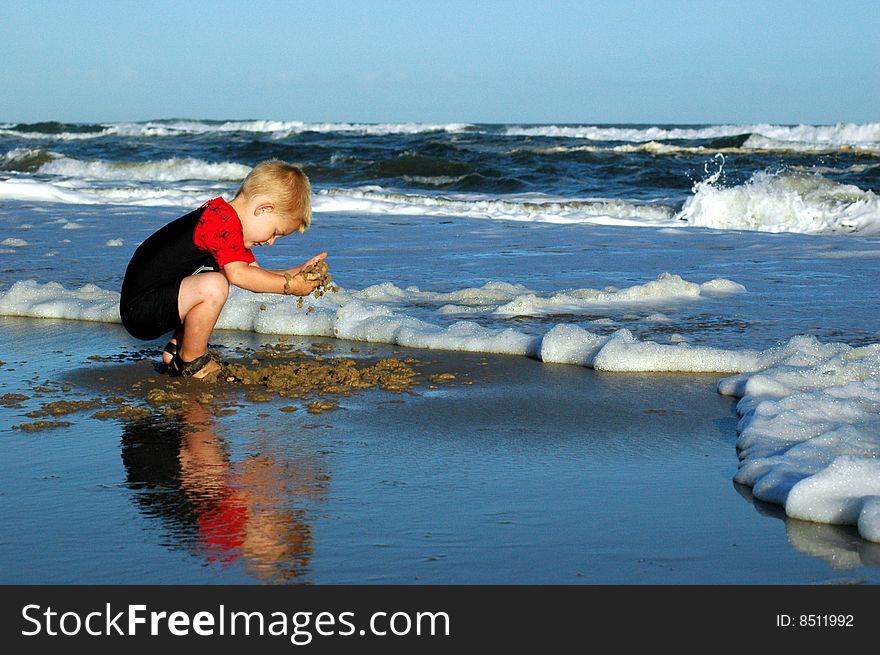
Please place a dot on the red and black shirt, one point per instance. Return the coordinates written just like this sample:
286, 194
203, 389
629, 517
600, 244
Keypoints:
206, 239
218, 231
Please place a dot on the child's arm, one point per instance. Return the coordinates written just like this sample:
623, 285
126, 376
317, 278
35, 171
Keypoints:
296, 269
254, 278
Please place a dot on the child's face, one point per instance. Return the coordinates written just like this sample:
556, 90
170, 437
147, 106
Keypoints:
264, 228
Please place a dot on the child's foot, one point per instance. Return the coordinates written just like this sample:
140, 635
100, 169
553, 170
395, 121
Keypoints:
207, 370
198, 368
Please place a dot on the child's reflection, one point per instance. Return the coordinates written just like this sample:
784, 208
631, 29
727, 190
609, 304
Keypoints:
226, 511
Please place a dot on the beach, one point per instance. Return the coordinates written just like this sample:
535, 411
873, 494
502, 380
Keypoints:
615, 355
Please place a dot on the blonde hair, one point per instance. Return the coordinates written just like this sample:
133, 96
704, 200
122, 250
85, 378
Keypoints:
286, 185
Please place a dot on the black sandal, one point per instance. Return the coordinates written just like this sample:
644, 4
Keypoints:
180, 368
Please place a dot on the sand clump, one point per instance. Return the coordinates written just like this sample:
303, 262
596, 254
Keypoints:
320, 273
277, 371
12, 400
36, 426
320, 406
115, 407
122, 412
161, 397
265, 375
299, 376
63, 407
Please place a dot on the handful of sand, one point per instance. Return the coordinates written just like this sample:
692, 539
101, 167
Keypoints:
318, 272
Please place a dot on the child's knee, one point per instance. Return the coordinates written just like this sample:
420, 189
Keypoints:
215, 288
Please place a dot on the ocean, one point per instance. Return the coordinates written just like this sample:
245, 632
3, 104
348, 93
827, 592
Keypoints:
738, 258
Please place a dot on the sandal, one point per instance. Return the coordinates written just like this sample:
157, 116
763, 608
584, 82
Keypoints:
180, 368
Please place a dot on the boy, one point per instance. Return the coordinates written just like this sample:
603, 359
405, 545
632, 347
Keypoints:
178, 279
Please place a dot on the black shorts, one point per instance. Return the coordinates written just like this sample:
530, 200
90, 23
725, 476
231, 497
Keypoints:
152, 313
150, 289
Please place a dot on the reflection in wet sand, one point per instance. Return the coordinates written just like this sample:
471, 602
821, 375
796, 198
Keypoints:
838, 545
246, 512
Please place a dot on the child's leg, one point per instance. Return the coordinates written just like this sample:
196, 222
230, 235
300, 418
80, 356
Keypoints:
200, 302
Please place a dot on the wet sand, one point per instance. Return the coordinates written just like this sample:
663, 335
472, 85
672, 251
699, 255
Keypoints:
343, 462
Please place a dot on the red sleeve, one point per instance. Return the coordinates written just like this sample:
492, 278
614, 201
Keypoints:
219, 232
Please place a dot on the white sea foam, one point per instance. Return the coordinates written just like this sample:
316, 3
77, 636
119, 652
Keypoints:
365, 322
623, 352
488, 296
754, 143
58, 136
765, 143
274, 128
372, 129
381, 313
839, 134
667, 287
649, 147
525, 207
634, 134
366, 316
52, 300
865, 135
168, 170
14, 242
809, 436
32, 191
279, 129
78, 193
783, 202
504, 299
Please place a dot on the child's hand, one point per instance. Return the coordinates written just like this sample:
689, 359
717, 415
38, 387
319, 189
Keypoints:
308, 266
314, 260
316, 271
313, 277
306, 282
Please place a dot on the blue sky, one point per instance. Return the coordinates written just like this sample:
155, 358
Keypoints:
661, 61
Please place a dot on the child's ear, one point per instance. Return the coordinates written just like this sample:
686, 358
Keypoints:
264, 208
